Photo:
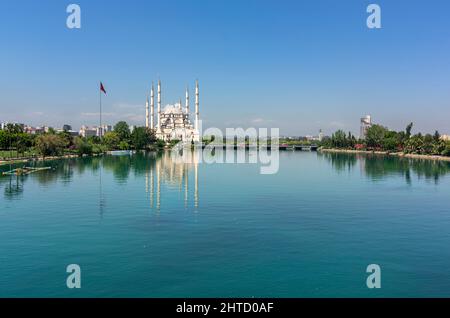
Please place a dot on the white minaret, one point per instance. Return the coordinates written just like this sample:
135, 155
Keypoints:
152, 108
159, 104
197, 101
179, 104
187, 101
146, 113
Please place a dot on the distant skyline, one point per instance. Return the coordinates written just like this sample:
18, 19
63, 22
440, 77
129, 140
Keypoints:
297, 65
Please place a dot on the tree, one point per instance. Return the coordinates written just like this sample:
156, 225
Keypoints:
14, 128
141, 137
111, 139
82, 146
4, 139
436, 136
446, 151
123, 145
391, 141
339, 139
23, 142
67, 138
428, 144
414, 144
49, 144
375, 136
123, 131
408, 130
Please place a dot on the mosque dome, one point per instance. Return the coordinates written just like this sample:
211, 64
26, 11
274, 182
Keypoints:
173, 109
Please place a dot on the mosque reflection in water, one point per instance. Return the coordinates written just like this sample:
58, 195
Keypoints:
172, 169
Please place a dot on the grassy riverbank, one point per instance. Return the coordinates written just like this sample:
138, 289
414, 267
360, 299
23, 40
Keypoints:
387, 153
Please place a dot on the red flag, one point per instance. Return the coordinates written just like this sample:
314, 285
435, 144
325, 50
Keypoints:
102, 88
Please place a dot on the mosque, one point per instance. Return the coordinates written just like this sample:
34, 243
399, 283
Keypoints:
173, 122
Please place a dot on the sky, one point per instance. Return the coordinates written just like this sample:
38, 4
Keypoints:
299, 65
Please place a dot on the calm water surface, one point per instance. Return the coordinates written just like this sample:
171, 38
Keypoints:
148, 226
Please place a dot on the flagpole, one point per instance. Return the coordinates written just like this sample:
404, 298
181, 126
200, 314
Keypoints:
100, 94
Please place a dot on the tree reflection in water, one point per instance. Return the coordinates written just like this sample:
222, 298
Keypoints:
169, 167
14, 187
378, 167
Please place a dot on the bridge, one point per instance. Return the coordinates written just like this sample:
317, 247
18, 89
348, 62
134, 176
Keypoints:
268, 147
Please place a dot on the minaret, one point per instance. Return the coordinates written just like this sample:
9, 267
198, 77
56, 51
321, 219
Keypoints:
152, 108
159, 104
146, 113
197, 101
179, 105
187, 101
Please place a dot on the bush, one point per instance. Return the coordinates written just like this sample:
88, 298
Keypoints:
49, 145
111, 140
123, 145
82, 147
160, 143
446, 151
141, 138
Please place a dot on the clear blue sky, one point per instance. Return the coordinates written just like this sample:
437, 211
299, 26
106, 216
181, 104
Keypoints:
297, 65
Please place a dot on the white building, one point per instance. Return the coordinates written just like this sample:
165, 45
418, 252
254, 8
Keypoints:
320, 135
366, 123
173, 122
88, 132
445, 137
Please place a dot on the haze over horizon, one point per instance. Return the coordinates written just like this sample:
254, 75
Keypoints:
296, 65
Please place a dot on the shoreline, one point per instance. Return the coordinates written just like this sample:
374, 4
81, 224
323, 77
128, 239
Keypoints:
68, 156
24, 160
329, 150
386, 153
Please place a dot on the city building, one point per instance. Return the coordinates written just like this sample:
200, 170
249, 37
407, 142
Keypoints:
320, 135
173, 122
47, 129
107, 128
315, 138
33, 130
445, 137
88, 132
366, 123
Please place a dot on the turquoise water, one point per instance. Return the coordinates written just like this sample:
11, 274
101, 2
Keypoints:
222, 230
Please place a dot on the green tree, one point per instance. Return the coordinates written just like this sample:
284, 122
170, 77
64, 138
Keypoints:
123, 131
49, 145
437, 136
446, 151
82, 146
4, 139
391, 141
67, 138
408, 130
14, 129
141, 137
375, 136
23, 142
339, 139
111, 140
428, 144
123, 145
414, 144
160, 143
